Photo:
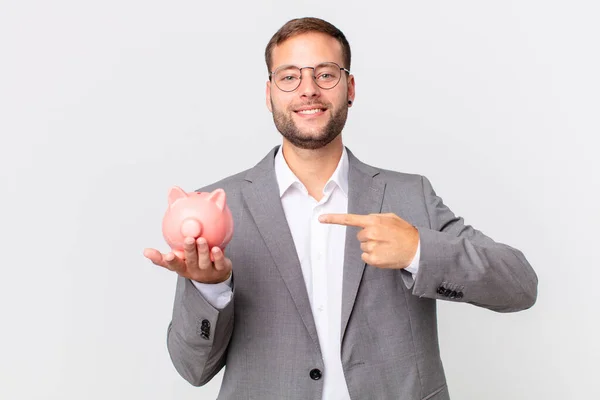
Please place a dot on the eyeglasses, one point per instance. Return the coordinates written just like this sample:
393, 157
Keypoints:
326, 75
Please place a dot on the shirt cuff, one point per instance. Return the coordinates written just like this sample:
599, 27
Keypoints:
217, 294
414, 265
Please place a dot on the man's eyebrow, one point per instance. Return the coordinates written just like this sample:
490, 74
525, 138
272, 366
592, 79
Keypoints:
285, 66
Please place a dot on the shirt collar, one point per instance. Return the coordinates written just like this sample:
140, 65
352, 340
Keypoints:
286, 178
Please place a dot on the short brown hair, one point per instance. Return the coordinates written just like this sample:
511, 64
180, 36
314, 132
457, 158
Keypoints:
298, 26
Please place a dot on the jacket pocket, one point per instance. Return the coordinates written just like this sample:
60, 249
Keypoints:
432, 394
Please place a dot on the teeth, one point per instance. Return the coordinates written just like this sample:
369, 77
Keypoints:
313, 111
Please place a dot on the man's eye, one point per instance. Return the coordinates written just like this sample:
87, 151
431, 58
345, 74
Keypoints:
325, 76
288, 78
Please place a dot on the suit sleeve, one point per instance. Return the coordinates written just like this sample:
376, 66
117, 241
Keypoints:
217, 294
459, 263
199, 334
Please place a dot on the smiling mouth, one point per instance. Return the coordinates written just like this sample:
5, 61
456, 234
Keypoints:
311, 111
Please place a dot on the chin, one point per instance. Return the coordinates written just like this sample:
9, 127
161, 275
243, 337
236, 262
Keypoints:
312, 133
309, 134
313, 141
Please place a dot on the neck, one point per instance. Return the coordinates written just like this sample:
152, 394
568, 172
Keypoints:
313, 167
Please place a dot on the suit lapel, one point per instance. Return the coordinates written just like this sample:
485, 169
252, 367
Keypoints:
365, 196
264, 203
261, 195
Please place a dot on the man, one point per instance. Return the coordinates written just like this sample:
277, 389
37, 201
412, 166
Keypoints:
337, 264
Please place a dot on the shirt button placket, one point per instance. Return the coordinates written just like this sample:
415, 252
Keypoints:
319, 267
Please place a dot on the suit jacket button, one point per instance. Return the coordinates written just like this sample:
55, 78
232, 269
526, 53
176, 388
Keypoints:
205, 323
315, 374
441, 290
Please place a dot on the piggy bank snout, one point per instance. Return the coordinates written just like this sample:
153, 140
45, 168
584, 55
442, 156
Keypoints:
191, 227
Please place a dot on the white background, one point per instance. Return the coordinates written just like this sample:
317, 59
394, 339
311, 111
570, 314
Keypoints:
105, 105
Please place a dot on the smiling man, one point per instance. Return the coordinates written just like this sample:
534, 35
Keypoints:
309, 115
330, 283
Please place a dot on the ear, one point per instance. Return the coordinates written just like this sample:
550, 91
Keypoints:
268, 96
176, 193
218, 197
351, 88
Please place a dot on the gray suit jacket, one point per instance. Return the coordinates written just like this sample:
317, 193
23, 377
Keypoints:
266, 336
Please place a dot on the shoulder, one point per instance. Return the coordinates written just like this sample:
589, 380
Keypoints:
403, 185
400, 178
233, 184
393, 179
230, 184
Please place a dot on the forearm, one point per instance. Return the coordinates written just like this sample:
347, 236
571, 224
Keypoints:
494, 276
462, 260
198, 334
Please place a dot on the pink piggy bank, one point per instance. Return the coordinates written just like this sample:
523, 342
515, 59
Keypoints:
197, 214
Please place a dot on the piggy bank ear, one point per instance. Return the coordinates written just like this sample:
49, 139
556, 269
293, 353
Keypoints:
176, 193
217, 196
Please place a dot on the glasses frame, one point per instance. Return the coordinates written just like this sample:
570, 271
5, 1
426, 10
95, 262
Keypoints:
313, 75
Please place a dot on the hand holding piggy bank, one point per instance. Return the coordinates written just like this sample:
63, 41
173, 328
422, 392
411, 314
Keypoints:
197, 226
197, 214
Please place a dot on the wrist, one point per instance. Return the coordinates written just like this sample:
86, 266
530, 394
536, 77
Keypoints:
216, 280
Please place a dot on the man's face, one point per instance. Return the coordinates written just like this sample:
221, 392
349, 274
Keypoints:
310, 129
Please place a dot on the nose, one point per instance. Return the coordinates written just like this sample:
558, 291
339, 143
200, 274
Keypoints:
308, 87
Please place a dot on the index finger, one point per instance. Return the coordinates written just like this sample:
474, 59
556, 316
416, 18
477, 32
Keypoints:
346, 219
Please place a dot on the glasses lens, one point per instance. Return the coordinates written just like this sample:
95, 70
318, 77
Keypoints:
287, 78
327, 75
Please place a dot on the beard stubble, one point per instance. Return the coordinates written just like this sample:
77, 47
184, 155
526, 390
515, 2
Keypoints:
288, 129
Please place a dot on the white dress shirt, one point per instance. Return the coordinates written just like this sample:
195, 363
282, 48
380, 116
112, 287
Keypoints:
320, 249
